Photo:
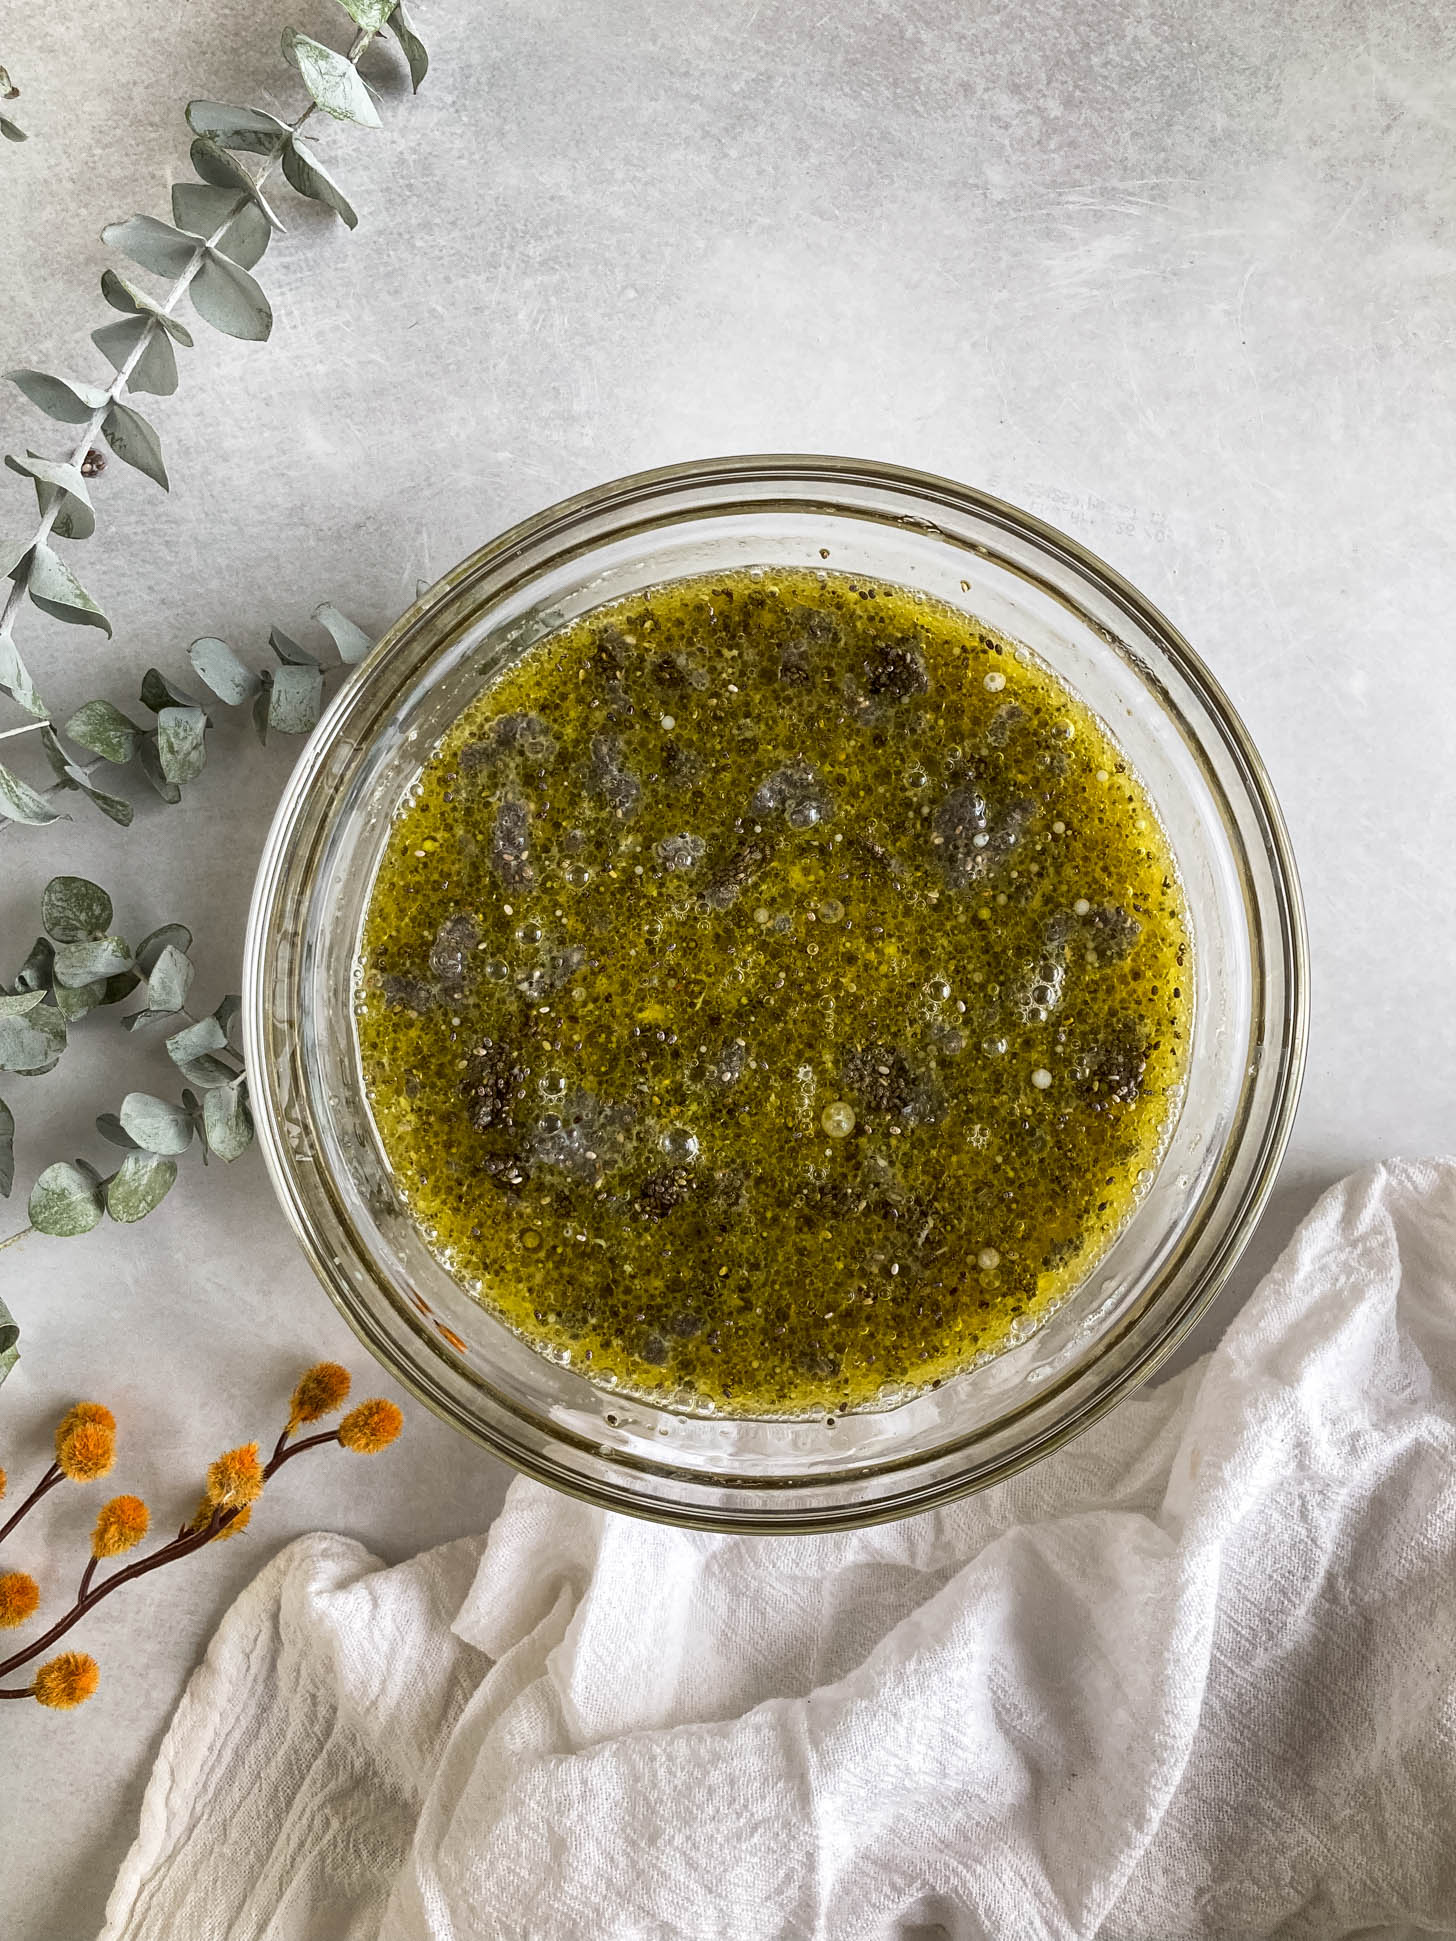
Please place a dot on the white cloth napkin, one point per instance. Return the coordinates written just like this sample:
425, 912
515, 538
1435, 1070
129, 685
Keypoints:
1193, 1676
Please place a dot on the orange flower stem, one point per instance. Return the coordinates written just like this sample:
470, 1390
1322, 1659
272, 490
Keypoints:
182, 1545
47, 1482
86, 1575
21, 1691
169, 1553
281, 1456
278, 1448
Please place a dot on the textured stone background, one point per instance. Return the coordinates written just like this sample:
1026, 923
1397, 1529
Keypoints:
1177, 277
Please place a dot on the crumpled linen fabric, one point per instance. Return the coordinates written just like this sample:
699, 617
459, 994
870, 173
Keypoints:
1193, 1675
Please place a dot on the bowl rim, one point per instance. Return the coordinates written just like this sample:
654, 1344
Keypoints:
639, 489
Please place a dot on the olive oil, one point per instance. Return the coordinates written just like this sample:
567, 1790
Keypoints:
773, 992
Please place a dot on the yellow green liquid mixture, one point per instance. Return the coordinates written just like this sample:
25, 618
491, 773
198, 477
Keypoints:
773, 993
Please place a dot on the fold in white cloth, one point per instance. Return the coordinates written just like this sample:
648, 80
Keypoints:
1195, 1675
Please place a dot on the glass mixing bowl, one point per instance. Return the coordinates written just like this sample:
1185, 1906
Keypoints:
1125, 661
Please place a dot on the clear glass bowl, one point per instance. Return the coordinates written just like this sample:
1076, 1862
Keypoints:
1127, 663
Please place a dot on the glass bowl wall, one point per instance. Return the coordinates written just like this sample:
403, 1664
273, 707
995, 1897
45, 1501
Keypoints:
1128, 665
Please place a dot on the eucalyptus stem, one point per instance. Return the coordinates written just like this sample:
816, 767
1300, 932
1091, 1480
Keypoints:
167, 305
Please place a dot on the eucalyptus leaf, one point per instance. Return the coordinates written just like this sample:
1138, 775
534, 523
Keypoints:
208, 1072
262, 701
25, 1046
126, 297
158, 692
351, 640
72, 519
226, 296
47, 1018
169, 936
227, 1121
170, 981
59, 397
15, 679
115, 806
21, 803
204, 1036
54, 588
134, 441
296, 699
369, 14
64, 1201
67, 774
15, 1004
150, 764
75, 1003
74, 910
104, 730
59, 484
411, 46
7, 1150
111, 1128
120, 987
227, 1014
155, 371
332, 80
37, 973
136, 1020
182, 743
221, 170
288, 650
155, 245
81, 963
13, 132
307, 175
156, 1124
223, 219
250, 129
230, 679
70, 776
216, 166
247, 236
138, 1186
199, 1120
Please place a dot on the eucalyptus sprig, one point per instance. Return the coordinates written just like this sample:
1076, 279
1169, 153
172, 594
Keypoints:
11, 130
78, 965
221, 225
171, 749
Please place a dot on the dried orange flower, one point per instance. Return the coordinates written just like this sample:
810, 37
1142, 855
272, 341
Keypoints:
4, 1481
86, 1451
68, 1680
19, 1595
371, 1427
204, 1513
120, 1526
235, 1478
80, 1412
322, 1390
